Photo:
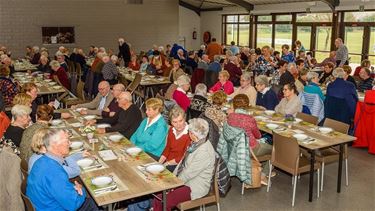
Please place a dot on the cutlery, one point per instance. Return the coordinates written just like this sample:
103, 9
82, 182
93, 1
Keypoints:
106, 189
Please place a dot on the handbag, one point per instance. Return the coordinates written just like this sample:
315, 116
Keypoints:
256, 172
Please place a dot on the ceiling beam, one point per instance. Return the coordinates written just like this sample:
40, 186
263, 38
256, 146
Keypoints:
212, 9
190, 7
332, 3
243, 4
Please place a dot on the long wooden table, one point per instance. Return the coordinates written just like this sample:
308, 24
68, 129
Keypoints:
124, 168
24, 65
45, 86
321, 141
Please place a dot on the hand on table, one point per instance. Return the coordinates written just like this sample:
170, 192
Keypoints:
83, 112
78, 188
85, 153
100, 130
90, 122
65, 115
73, 106
111, 114
231, 110
51, 104
106, 109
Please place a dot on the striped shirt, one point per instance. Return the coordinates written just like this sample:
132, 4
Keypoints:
342, 54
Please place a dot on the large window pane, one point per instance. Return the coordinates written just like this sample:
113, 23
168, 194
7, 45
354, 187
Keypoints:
320, 56
232, 18
360, 16
372, 46
314, 17
323, 41
283, 35
244, 18
265, 18
244, 35
304, 35
353, 40
264, 35
283, 18
231, 33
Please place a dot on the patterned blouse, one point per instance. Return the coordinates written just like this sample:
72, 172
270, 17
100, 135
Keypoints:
8, 90
217, 115
263, 66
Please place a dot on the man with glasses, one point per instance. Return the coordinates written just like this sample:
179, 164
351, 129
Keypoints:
101, 101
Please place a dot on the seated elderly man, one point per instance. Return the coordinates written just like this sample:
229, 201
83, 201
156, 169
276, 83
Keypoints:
101, 101
125, 121
203, 63
215, 66
109, 70
48, 185
113, 106
366, 80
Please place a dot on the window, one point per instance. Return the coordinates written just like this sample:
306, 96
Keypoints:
283, 17
353, 40
314, 17
237, 29
263, 18
359, 17
283, 35
323, 41
304, 35
372, 46
54, 35
264, 35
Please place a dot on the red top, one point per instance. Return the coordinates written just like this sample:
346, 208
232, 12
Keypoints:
133, 66
247, 123
63, 77
227, 87
181, 99
176, 148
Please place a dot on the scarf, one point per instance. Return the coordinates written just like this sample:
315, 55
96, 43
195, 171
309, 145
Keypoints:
193, 146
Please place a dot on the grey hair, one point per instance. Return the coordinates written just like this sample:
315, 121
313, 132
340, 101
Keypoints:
182, 80
51, 137
217, 58
201, 89
246, 76
54, 63
114, 58
338, 73
175, 112
36, 49
203, 47
102, 49
160, 48
262, 79
311, 75
199, 127
20, 110
290, 66
127, 96
101, 54
232, 58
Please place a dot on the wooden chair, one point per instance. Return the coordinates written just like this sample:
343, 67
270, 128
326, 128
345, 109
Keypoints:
81, 98
308, 118
122, 79
24, 168
331, 155
133, 88
212, 197
78, 69
55, 78
28, 204
286, 156
71, 66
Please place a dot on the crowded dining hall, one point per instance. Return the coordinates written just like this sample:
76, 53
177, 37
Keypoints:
217, 105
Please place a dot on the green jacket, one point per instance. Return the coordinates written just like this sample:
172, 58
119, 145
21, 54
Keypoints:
234, 146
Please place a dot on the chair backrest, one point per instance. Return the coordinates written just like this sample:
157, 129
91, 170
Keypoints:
23, 185
210, 78
307, 118
285, 153
135, 83
123, 80
78, 68
28, 204
71, 66
336, 125
24, 166
55, 78
80, 90
338, 109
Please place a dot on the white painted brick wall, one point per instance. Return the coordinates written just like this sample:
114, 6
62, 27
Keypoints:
97, 22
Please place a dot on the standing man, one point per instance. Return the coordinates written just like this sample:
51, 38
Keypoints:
341, 53
124, 51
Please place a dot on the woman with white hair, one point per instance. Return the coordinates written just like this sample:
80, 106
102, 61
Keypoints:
199, 102
196, 167
61, 74
201, 51
246, 88
20, 120
133, 64
36, 55
179, 95
224, 84
44, 65
313, 86
266, 97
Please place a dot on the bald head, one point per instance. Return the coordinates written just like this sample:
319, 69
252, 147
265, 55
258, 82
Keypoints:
117, 90
104, 88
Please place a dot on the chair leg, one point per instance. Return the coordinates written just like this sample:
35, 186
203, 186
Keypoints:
346, 172
269, 178
204, 208
322, 181
200, 208
294, 189
243, 188
269, 165
218, 206
318, 178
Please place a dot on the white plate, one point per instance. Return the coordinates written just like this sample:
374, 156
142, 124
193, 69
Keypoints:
272, 126
261, 118
56, 122
51, 83
325, 130
76, 124
133, 151
103, 125
115, 138
297, 120
89, 117
300, 136
101, 181
76, 144
47, 80
155, 169
57, 87
80, 109
85, 162
269, 112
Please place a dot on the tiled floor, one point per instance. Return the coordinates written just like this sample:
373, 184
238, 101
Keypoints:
359, 195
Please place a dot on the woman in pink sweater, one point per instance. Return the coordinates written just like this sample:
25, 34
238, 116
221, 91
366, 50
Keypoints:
223, 84
179, 95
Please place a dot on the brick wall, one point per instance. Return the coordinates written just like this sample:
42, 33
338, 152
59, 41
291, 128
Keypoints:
98, 22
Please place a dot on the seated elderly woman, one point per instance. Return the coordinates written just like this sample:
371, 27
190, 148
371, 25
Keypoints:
266, 97
151, 133
195, 169
178, 139
38, 149
144, 64
22, 99
290, 104
313, 85
215, 111
44, 114
8, 88
301, 81
133, 64
224, 84
199, 102
348, 70
60, 73
20, 120
179, 95
43, 66
48, 185
326, 76
246, 88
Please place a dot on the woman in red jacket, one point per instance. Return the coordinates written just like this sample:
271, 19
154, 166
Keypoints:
179, 95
